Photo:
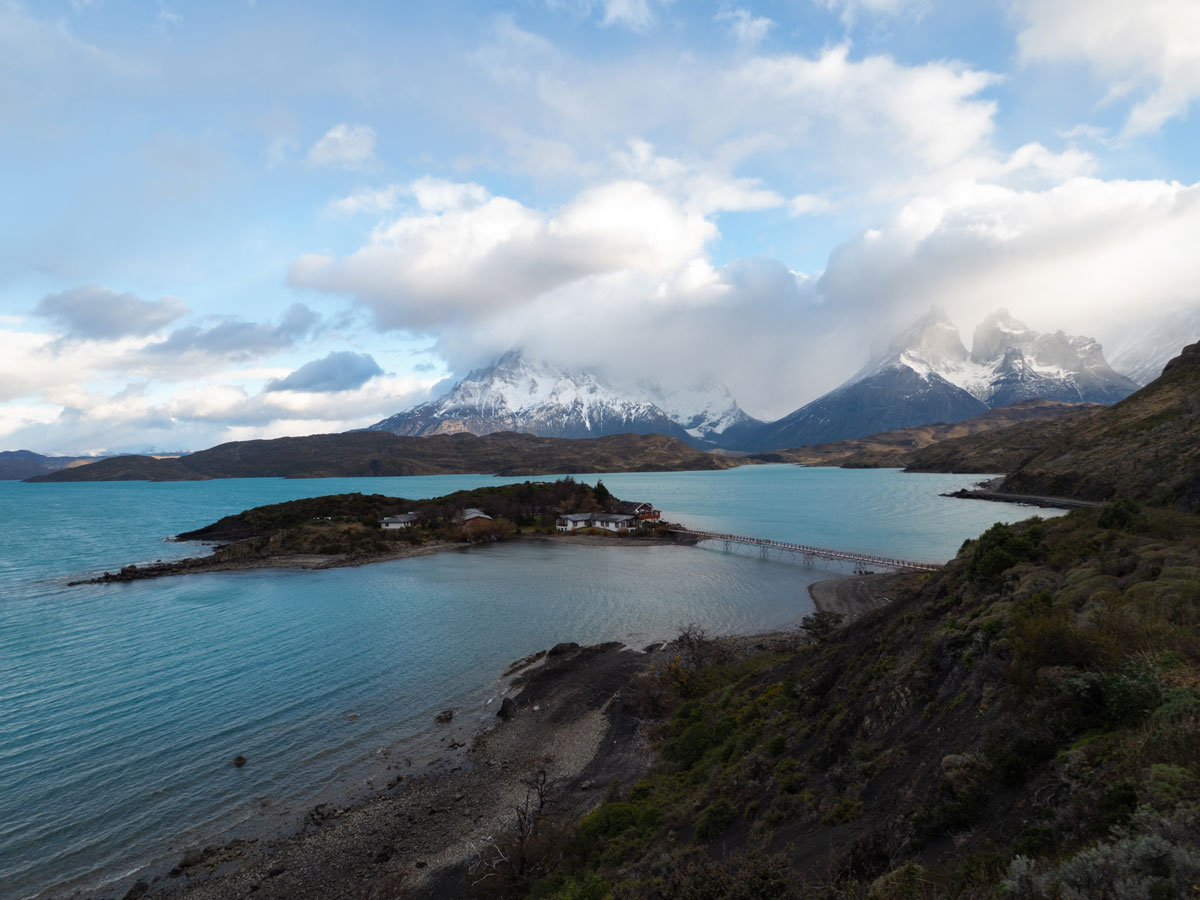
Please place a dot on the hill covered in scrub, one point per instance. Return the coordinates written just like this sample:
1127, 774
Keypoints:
1024, 723
370, 453
1145, 448
901, 447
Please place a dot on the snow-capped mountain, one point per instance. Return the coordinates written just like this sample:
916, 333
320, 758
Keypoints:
927, 375
517, 394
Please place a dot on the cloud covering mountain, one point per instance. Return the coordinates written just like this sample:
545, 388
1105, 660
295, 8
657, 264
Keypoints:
754, 196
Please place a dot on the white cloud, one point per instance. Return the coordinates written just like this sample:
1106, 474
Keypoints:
747, 29
1150, 49
808, 204
850, 10
637, 15
445, 262
367, 199
931, 113
346, 146
1086, 255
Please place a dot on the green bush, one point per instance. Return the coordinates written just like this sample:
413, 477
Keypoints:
714, 820
1001, 547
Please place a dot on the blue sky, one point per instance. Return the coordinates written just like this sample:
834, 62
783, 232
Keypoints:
250, 218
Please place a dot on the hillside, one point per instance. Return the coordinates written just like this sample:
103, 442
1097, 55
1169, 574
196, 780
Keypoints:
1023, 723
371, 453
897, 448
16, 465
1146, 447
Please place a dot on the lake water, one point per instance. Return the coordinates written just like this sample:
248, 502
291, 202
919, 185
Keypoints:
122, 705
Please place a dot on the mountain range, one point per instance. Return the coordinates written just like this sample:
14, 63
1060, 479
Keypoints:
517, 394
925, 375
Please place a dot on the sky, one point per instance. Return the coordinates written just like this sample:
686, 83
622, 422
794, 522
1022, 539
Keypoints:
238, 219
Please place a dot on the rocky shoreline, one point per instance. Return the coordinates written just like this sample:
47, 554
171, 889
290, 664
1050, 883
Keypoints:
565, 730
193, 565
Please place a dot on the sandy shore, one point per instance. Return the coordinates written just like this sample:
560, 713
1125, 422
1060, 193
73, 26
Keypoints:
569, 716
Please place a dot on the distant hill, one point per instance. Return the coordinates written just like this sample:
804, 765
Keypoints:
17, 465
369, 453
1146, 447
902, 446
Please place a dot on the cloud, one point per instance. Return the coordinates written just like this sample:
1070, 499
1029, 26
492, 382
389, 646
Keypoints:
1150, 49
367, 200
234, 339
808, 204
636, 15
931, 113
850, 10
747, 29
92, 312
341, 370
446, 262
345, 146
1087, 254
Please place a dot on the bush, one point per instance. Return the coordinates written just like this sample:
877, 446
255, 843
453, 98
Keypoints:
714, 820
1122, 514
1000, 548
1155, 857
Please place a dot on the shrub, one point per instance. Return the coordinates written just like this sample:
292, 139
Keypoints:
1122, 514
1155, 857
715, 820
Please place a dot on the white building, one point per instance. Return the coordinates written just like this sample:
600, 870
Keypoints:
395, 523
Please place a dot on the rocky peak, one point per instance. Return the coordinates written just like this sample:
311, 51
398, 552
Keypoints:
1188, 358
999, 332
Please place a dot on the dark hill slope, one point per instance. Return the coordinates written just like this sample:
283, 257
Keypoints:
1147, 447
1028, 714
369, 453
896, 448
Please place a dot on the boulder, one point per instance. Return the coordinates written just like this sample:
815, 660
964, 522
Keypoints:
444, 716
506, 710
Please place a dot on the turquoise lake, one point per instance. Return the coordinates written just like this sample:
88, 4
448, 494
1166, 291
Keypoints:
122, 705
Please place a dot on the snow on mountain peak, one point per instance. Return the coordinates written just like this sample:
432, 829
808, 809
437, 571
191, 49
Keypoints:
518, 394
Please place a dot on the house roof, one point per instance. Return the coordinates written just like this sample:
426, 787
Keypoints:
631, 507
403, 517
577, 517
474, 514
612, 517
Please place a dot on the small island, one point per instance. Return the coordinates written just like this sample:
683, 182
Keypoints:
353, 529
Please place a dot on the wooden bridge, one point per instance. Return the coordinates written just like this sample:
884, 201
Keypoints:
861, 560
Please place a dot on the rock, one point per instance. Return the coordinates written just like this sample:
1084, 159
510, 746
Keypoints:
239, 760
191, 858
444, 716
560, 649
276, 872
138, 890
507, 709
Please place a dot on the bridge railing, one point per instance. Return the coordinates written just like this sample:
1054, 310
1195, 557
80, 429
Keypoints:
821, 552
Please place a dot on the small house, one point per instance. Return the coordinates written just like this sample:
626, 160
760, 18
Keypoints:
573, 521
472, 515
398, 523
614, 521
643, 511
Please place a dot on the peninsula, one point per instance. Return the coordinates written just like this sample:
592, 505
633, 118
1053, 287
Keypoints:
353, 529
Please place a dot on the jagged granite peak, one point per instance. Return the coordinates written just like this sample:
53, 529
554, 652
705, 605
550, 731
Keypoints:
927, 375
1017, 363
519, 394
